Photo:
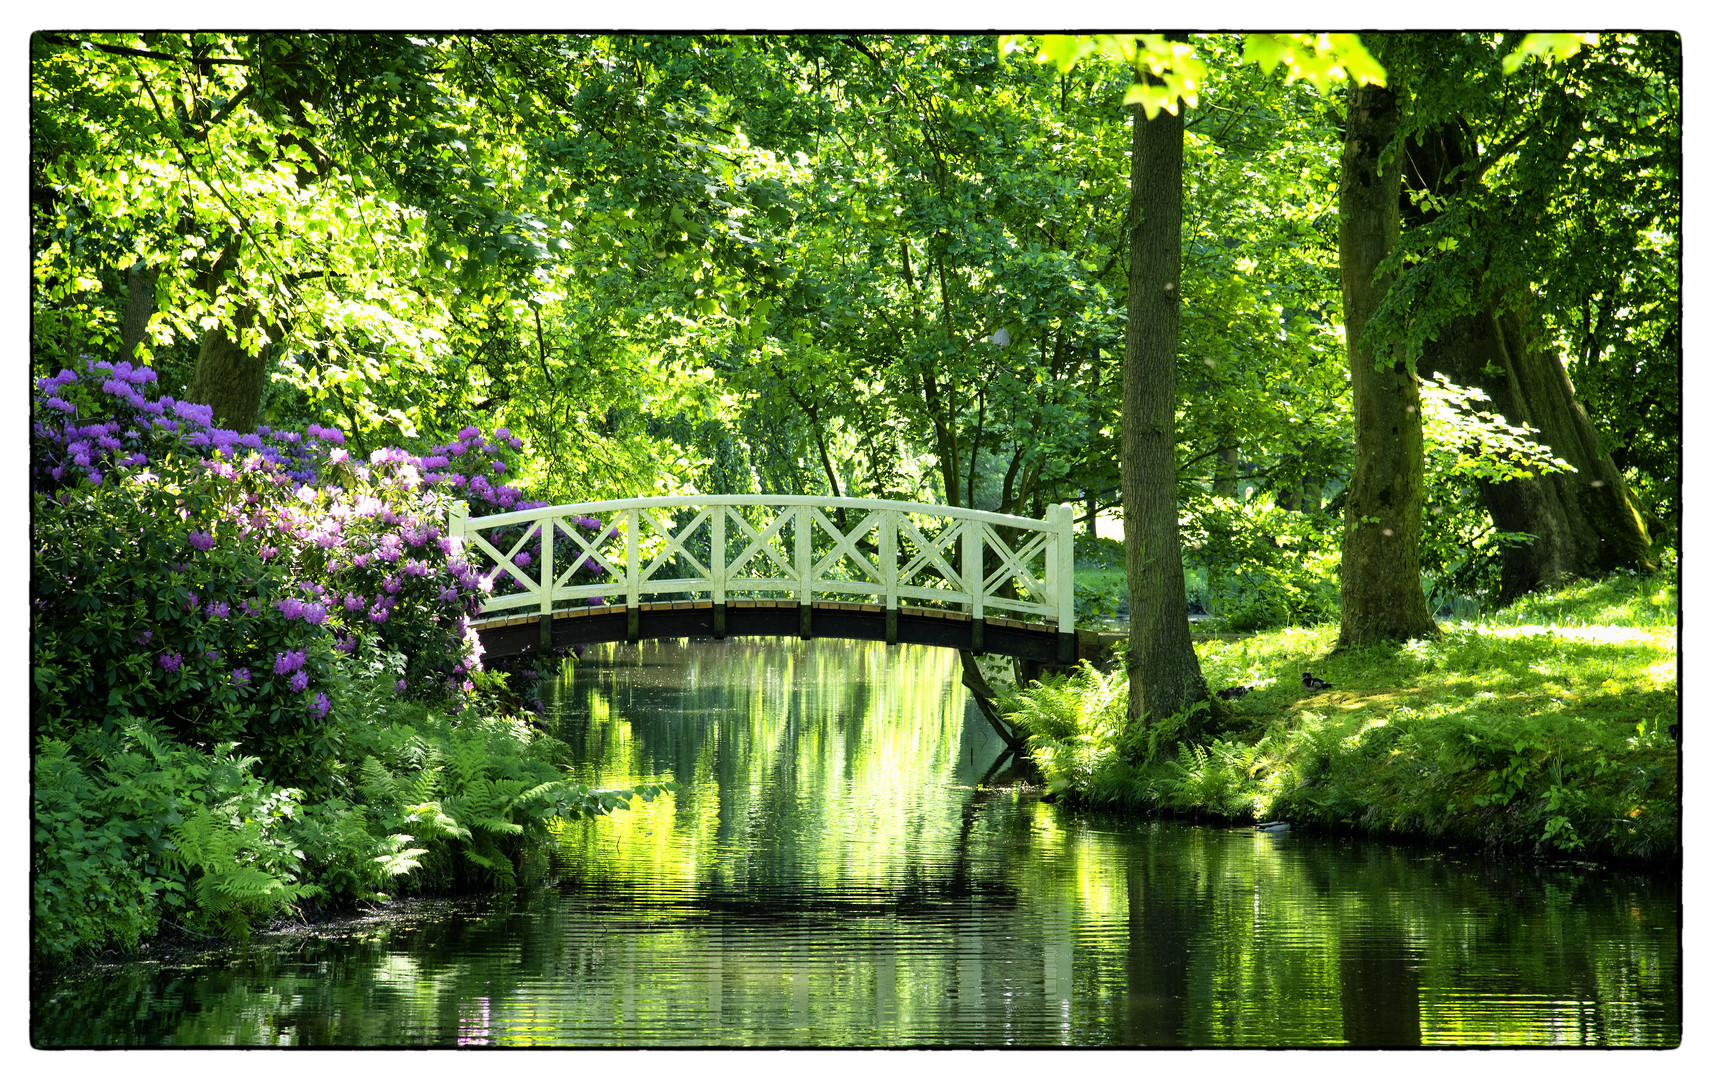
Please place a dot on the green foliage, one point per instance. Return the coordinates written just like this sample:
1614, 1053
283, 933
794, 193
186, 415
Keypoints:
87, 889
132, 828
1265, 567
468, 801
1513, 733
123, 625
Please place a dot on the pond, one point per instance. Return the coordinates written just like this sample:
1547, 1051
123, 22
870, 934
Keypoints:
845, 867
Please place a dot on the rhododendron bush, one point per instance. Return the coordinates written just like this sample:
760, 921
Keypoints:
248, 543
226, 629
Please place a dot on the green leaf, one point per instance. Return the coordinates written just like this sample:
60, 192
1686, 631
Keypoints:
1548, 47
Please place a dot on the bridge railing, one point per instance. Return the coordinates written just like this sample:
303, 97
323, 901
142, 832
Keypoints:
733, 547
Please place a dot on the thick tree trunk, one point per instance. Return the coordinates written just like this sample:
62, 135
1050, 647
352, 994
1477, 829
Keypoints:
1381, 573
229, 379
1584, 523
139, 306
1462, 353
1164, 673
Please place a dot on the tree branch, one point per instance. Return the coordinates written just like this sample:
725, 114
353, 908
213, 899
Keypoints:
122, 50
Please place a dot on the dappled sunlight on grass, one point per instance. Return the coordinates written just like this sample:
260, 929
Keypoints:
1539, 728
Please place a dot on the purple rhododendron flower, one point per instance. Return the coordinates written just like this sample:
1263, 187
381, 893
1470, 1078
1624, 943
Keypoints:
314, 614
289, 661
290, 607
401, 686
377, 615
300, 682
321, 706
171, 661
218, 609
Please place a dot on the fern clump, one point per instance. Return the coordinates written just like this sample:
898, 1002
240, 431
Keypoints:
1508, 733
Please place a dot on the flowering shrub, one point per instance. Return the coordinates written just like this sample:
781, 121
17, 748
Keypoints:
204, 603
131, 619
363, 545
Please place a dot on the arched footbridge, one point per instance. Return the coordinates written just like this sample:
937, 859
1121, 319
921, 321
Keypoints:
723, 566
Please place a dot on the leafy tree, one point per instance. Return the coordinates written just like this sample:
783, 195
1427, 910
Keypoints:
1494, 164
1381, 580
1159, 643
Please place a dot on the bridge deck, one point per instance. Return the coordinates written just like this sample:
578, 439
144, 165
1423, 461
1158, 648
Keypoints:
509, 636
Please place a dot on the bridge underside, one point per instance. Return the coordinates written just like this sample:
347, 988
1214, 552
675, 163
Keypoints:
784, 618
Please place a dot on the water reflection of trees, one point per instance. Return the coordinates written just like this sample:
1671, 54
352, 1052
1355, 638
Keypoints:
833, 874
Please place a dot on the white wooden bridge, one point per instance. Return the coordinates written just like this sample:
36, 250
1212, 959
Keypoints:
776, 565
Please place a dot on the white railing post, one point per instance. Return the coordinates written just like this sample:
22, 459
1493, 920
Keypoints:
716, 567
632, 575
889, 570
1061, 574
547, 578
805, 571
457, 518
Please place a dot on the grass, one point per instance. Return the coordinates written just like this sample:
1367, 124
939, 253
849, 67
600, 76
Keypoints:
1541, 728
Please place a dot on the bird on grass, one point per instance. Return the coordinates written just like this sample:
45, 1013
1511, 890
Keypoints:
1311, 683
1231, 693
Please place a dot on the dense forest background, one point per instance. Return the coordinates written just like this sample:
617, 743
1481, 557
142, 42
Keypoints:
900, 267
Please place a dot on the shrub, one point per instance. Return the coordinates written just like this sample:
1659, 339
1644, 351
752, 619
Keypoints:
240, 649
133, 617
132, 828
1265, 567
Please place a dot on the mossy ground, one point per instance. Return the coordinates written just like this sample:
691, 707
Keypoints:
1543, 728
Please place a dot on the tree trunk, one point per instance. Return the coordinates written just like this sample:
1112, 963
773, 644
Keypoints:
1381, 572
139, 306
1461, 353
1584, 523
1164, 673
1605, 529
228, 378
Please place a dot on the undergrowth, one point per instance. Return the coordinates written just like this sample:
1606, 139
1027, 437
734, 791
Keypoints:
1544, 728
136, 832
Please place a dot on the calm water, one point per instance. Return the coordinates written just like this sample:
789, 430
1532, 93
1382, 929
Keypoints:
833, 874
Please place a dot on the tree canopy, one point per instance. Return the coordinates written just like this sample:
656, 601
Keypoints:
871, 265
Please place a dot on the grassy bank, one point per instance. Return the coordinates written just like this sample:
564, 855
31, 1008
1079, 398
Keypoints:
1541, 729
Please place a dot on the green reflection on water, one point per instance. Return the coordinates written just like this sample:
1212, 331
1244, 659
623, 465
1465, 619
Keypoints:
830, 875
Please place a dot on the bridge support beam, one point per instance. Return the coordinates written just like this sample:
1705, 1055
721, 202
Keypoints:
805, 621
633, 623
719, 622
891, 626
978, 636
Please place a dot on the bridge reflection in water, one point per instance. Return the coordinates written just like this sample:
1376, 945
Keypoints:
778, 566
